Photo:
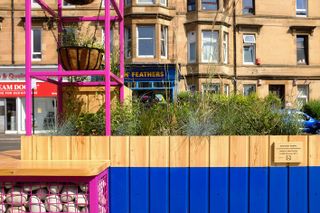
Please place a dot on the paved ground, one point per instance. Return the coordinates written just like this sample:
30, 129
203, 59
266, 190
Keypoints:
9, 142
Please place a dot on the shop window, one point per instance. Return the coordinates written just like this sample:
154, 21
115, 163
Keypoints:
303, 95
209, 4
145, 40
249, 49
145, 1
248, 7
145, 85
249, 89
225, 48
158, 84
164, 41
192, 47
301, 7
128, 42
111, 39
302, 49
191, 5
211, 88
36, 44
210, 47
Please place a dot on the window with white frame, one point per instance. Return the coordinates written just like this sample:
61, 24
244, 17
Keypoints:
66, 4
301, 7
164, 41
225, 48
303, 95
211, 88
226, 89
127, 3
127, 42
248, 7
192, 47
302, 49
145, 41
249, 49
34, 4
36, 44
210, 47
146, 1
164, 2
111, 38
191, 5
249, 89
209, 4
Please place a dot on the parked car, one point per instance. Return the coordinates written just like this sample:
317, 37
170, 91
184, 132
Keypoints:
309, 124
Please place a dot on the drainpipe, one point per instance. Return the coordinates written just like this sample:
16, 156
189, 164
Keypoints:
12, 32
235, 86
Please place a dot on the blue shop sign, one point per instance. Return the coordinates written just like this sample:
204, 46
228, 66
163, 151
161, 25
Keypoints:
163, 72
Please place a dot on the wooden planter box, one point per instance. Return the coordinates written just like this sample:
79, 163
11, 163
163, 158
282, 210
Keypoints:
81, 58
225, 174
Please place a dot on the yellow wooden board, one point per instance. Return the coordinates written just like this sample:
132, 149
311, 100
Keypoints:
52, 168
159, 151
139, 151
314, 150
259, 151
219, 151
179, 151
199, 151
99, 148
239, 151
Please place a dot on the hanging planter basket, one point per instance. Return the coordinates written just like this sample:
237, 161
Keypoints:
81, 58
79, 2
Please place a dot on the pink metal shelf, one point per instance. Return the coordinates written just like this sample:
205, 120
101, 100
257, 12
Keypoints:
44, 75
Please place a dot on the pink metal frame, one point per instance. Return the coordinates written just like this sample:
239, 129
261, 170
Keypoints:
60, 73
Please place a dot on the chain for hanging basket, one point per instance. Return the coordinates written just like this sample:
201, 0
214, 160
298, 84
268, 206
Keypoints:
79, 2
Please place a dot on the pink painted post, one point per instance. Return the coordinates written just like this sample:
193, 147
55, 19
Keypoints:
121, 46
28, 26
60, 86
107, 67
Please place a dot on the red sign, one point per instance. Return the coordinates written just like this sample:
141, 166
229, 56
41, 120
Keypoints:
17, 89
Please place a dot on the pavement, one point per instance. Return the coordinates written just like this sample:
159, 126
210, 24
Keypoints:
9, 142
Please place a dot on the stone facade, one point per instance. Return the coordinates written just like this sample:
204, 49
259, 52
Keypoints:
274, 24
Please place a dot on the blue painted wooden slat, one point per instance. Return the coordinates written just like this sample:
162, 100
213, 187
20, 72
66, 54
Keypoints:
219, 190
139, 190
239, 190
119, 190
298, 190
179, 190
314, 189
159, 190
259, 190
199, 190
278, 197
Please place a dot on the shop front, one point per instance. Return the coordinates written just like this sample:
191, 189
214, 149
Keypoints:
12, 102
148, 81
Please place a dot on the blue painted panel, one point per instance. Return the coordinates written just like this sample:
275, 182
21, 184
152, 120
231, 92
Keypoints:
259, 190
139, 190
119, 190
298, 189
239, 190
179, 190
159, 190
314, 189
278, 202
199, 190
219, 190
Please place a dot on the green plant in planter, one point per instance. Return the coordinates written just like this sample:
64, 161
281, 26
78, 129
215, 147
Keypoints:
80, 51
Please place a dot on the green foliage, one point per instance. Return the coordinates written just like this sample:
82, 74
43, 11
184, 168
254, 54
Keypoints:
194, 114
312, 108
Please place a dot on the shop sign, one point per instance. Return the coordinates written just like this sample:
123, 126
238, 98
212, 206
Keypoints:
12, 76
17, 89
155, 72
